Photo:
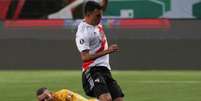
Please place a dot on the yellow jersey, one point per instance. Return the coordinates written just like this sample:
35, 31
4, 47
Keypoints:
67, 95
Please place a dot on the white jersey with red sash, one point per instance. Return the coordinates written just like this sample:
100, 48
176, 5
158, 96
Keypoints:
92, 38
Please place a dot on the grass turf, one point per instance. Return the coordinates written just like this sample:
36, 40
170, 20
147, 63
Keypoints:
137, 85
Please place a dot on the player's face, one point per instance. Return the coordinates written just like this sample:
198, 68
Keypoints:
46, 96
96, 16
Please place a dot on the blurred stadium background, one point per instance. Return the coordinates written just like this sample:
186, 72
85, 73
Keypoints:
152, 34
162, 37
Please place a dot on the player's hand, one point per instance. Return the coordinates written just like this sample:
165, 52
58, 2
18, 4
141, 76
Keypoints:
113, 48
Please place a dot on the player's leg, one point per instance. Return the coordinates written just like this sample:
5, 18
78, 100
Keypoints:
105, 97
87, 83
95, 85
114, 88
101, 89
116, 93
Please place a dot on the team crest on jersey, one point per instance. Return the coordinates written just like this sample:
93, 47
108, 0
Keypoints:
81, 41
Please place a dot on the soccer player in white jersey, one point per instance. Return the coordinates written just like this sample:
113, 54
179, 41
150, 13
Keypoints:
92, 45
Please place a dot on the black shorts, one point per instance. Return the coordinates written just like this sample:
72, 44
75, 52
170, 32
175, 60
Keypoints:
98, 80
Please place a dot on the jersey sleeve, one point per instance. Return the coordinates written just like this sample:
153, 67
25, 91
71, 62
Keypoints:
82, 41
67, 95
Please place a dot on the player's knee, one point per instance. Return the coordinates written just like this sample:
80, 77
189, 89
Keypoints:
105, 97
109, 98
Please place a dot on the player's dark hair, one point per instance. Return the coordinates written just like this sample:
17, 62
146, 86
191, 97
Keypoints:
90, 6
40, 91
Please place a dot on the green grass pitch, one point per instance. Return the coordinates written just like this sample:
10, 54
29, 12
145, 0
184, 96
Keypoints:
137, 85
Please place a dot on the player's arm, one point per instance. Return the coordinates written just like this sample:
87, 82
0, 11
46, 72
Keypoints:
103, 4
86, 56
